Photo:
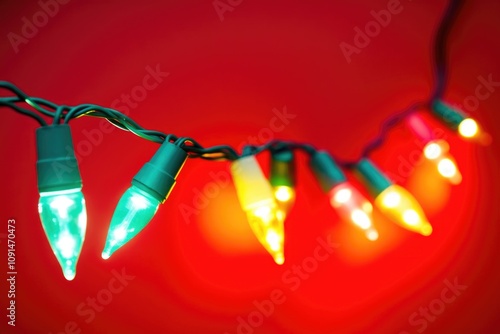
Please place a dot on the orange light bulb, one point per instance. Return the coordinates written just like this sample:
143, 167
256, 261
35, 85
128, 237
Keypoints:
401, 207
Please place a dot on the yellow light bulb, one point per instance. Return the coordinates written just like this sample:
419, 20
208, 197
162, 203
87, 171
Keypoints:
391, 200
468, 128
259, 200
401, 207
268, 229
273, 239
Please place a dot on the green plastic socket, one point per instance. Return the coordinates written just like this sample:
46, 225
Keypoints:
447, 114
283, 170
158, 176
326, 170
57, 167
375, 180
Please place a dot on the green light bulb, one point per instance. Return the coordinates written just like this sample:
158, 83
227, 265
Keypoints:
64, 219
150, 187
134, 211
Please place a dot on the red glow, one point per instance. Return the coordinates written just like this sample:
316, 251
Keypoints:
228, 82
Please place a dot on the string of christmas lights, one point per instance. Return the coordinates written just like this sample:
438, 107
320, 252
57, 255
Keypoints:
266, 202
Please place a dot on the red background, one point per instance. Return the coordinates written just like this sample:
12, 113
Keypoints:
226, 77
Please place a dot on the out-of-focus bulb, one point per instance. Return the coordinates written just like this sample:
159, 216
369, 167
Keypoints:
401, 207
353, 207
284, 193
448, 169
468, 128
259, 202
435, 149
392, 200
437, 152
285, 197
456, 119
134, 211
282, 179
64, 220
344, 197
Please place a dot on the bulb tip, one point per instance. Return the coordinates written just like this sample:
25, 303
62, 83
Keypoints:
456, 180
108, 250
372, 235
426, 229
69, 274
279, 259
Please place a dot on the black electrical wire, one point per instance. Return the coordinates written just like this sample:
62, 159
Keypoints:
441, 75
440, 48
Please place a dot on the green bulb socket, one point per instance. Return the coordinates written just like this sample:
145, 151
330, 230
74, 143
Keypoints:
282, 168
157, 177
373, 177
326, 170
57, 167
446, 113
